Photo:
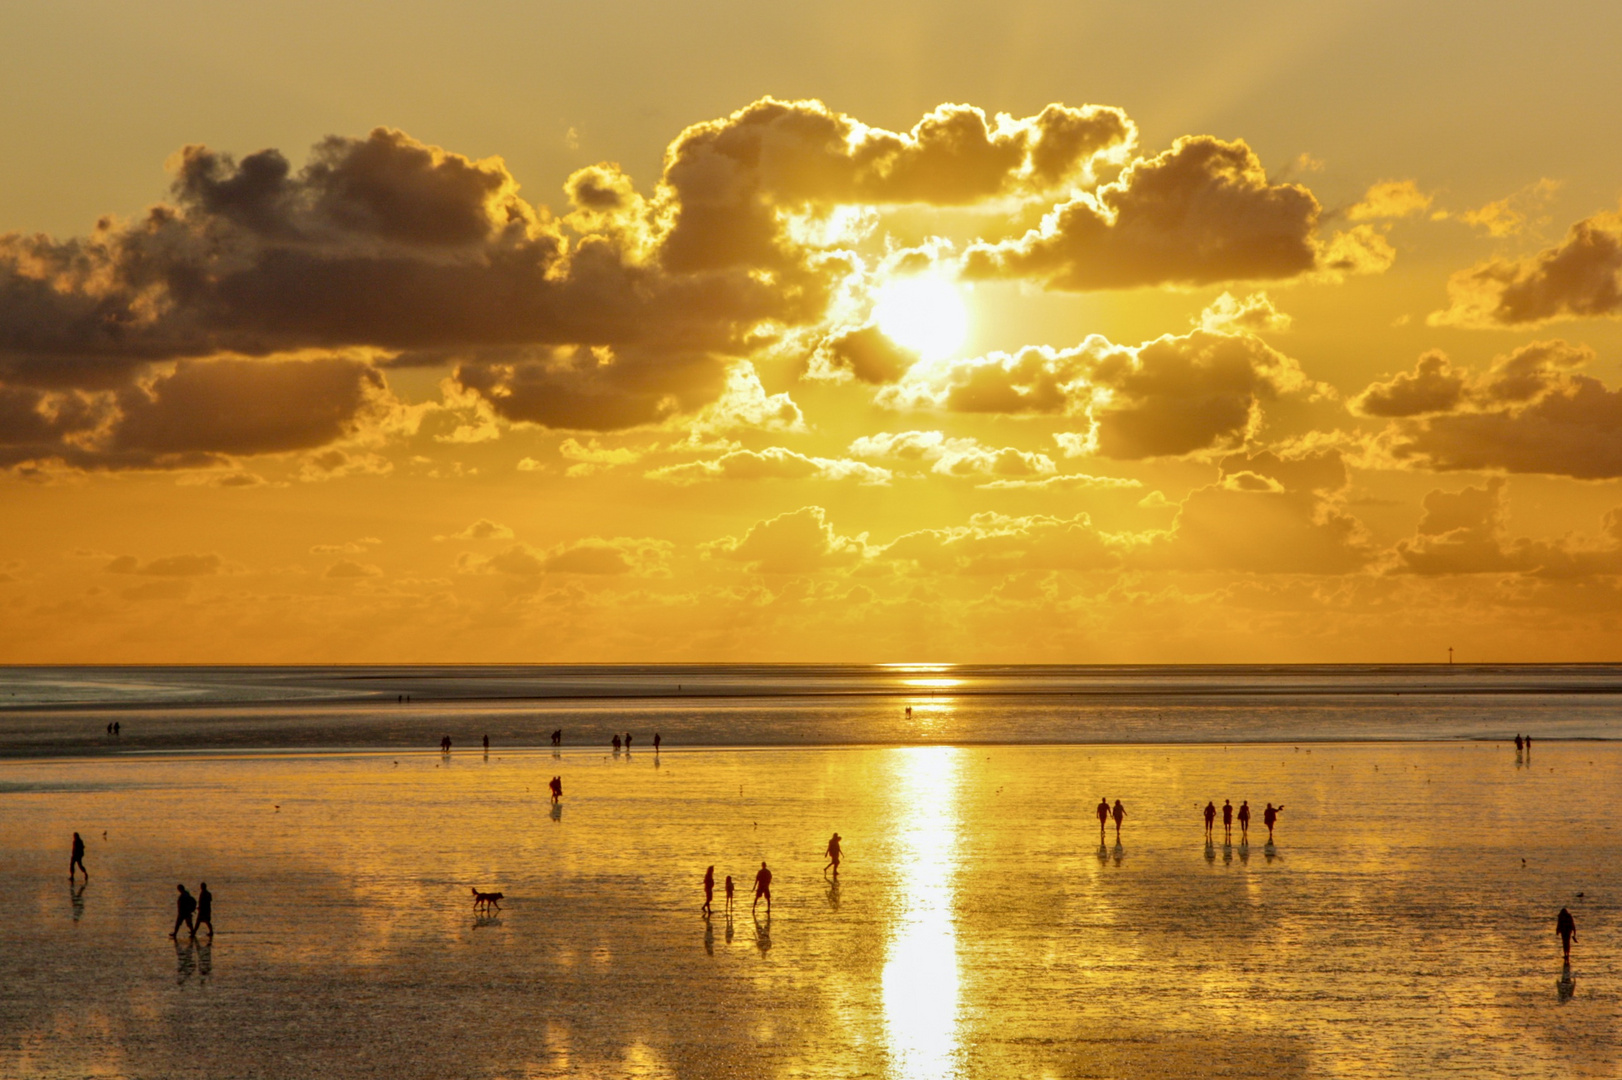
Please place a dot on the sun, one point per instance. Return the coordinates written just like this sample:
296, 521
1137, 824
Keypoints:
925, 314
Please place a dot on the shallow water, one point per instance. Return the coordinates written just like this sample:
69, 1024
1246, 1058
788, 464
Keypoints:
68, 710
979, 928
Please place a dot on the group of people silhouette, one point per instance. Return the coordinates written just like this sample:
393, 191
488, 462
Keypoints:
1105, 813
1269, 818
616, 742
763, 891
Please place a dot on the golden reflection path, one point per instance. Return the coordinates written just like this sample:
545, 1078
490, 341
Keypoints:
920, 980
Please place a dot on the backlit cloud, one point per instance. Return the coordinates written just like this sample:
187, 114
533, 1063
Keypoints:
1579, 278
797, 542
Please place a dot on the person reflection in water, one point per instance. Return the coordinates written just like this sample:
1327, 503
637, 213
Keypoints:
78, 858
1566, 927
834, 855
1210, 819
185, 959
185, 904
76, 898
1103, 818
1244, 821
205, 911
709, 890
763, 889
1119, 814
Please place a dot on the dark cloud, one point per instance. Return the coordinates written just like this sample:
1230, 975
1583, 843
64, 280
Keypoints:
1580, 278
1172, 396
1464, 532
1202, 212
1531, 412
867, 354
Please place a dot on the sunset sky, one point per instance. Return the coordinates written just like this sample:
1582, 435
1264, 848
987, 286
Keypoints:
1025, 332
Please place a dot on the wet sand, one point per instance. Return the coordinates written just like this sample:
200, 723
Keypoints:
979, 929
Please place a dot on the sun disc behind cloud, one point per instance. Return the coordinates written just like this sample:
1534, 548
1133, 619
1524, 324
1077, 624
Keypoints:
925, 314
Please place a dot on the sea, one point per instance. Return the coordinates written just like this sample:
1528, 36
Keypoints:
1399, 921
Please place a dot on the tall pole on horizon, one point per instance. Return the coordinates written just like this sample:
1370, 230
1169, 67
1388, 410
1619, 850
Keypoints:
1450, 654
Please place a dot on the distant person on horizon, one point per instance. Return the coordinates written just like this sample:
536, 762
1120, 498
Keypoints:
1119, 813
709, 890
117, 727
656, 742
834, 854
1227, 820
1566, 927
557, 737
1210, 818
616, 742
78, 858
1528, 744
763, 888
1518, 744
729, 895
1103, 817
205, 911
1244, 821
487, 744
1270, 818
627, 742
185, 904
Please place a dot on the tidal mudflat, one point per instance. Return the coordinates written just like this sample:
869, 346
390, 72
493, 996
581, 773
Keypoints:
1401, 925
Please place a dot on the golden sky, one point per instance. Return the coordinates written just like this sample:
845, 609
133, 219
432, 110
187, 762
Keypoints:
1088, 332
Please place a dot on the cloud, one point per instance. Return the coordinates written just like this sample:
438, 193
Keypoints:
1255, 314
1390, 199
334, 463
1464, 532
1531, 412
1513, 214
644, 557
1202, 212
348, 568
592, 458
352, 547
797, 542
773, 463
482, 529
865, 354
1172, 396
1063, 482
1580, 278
999, 544
946, 456
168, 566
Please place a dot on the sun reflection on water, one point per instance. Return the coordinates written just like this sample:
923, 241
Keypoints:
920, 981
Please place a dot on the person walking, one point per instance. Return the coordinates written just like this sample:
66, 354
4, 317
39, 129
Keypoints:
834, 853
763, 889
1227, 821
1119, 814
656, 741
185, 904
556, 784
709, 890
78, 858
1566, 927
1103, 817
1270, 818
1210, 819
1244, 821
205, 911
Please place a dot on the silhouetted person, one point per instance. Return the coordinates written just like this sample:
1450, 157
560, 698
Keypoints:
1227, 819
834, 854
627, 742
487, 744
185, 904
1103, 817
1566, 927
205, 910
117, 727
78, 858
1518, 743
1270, 818
1210, 818
445, 745
557, 737
709, 890
556, 784
729, 906
656, 742
616, 742
1244, 821
1529, 746
1119, 814
763, 889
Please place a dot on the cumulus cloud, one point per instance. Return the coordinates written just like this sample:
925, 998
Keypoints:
349, 568
1390, 199
1172, 396
865, 354
1512, 215
200, 565
773, 463
800, 541
1465, 532
1531, 412
482, 529
592, 457
598, 556
949, 456
1255, 314
352, 547
1000, 544
1202, 212
1579, 278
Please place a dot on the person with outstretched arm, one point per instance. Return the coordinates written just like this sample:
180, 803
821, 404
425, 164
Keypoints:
1270, 818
